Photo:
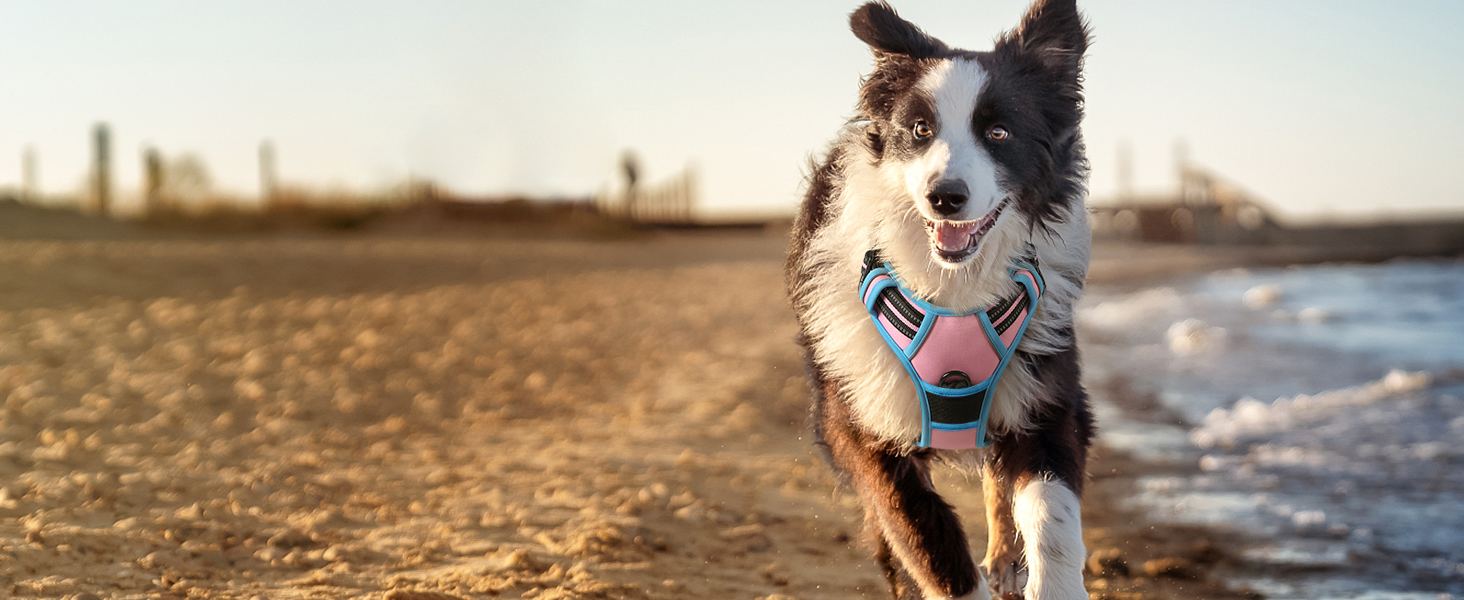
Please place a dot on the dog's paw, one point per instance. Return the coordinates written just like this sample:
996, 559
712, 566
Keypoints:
1006, 579
980, 593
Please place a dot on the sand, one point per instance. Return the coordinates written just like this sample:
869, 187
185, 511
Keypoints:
410, 417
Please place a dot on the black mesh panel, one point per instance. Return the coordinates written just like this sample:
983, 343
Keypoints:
955, 411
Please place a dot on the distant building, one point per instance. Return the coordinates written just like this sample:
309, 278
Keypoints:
1207, 209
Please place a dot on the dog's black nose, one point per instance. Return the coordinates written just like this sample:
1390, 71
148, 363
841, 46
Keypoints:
947, 196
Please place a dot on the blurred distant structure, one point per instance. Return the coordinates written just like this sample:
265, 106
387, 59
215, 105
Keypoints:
100, 198
186, 180
670, 202
30, 190
174, 186
269, 180
152, 181
630, 167
1206, 208
1125, 170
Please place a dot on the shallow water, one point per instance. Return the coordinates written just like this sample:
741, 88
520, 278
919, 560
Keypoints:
1323, 408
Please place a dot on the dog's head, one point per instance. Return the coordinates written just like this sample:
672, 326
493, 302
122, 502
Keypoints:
971, 145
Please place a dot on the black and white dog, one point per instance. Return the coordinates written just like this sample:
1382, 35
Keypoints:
958, 166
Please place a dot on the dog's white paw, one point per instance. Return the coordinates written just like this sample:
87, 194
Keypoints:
1006, 579
1068, 589
980, 593
1065, 584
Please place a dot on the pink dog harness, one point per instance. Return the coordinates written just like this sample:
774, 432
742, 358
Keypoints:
954, 359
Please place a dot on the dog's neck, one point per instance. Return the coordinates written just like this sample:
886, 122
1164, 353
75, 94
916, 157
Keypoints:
971, 285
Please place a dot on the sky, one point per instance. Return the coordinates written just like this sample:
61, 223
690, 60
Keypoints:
1321, 108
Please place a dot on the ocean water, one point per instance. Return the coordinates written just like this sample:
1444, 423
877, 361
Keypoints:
1321, 409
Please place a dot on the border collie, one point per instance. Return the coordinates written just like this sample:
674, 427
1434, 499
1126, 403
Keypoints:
950, 206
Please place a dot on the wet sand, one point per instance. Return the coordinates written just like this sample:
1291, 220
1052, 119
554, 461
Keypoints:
410, 417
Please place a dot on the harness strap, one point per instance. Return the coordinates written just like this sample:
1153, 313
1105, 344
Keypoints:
954, 359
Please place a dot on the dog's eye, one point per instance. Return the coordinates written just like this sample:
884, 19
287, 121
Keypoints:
998, 133
922, 130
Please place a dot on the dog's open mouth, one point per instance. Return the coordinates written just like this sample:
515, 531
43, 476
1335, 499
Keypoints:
955, 241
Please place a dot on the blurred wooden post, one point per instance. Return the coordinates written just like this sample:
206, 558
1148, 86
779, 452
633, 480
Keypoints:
690, 191
29, 191
1187, 193
1125, 171
152, 181
630, 167
268, 176
101, 196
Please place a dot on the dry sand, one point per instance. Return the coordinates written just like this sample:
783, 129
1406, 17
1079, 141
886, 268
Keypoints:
418, 418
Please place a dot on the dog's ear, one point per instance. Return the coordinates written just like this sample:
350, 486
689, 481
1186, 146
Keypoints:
1054, 34
886, 33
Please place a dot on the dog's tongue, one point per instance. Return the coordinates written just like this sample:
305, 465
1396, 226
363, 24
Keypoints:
953, 237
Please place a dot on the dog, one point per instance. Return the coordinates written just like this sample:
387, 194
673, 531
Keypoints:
955, 196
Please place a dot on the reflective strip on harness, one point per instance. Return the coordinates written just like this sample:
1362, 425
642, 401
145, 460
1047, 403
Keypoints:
954, 359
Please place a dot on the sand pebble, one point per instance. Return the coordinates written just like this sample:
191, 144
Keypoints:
270, 555
162, 559
290, 539
1173, 568
1107, 562
422, 595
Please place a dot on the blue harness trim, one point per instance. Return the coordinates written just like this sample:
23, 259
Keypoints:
957, 404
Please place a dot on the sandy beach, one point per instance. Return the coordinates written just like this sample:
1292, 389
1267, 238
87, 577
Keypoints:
436, 417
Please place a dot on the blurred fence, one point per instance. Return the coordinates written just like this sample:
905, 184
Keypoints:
669, 202
180, 188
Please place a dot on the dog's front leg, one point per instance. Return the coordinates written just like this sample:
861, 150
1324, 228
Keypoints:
1048, 516
1033, 516
902, 587
1045, 465
1004, 560
923, 533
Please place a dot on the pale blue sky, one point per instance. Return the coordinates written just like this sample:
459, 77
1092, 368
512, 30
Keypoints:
1321, 107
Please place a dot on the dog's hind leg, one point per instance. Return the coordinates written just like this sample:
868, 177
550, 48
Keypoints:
922, 533
1003, 565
